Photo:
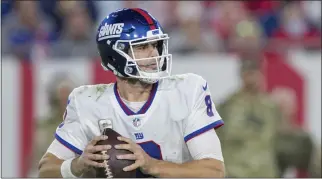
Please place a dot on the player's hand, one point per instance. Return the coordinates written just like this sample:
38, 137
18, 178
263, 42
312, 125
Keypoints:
88, 158
142, 159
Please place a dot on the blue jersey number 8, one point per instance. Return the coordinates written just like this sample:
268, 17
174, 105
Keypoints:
153, 149
208, 102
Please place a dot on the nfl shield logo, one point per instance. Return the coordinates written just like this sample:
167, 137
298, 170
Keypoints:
136, 122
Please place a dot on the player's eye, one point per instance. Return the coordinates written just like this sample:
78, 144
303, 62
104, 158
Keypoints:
154, 44
141, 47
146, 46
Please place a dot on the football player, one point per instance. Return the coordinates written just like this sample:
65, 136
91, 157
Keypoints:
167, 121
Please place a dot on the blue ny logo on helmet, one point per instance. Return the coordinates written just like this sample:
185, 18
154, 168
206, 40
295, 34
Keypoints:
123, 30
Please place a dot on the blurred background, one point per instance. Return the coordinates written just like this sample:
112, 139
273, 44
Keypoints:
262, 60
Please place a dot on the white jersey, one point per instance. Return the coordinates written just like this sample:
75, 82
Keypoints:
178, 110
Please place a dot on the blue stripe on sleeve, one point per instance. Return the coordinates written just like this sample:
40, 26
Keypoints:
68, 145
213, 125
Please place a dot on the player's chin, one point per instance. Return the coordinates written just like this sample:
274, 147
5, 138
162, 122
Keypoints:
137, 82
132, 81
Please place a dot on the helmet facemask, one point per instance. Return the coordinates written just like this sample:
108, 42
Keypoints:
148, 69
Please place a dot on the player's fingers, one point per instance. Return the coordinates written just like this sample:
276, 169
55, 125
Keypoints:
88, 148
126, 157
127, 140
98, 138
132, 167
94, 164
98, 148
134, 146
124, 146
97, 157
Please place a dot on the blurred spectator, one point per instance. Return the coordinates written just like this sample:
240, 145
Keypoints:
248, 32
6, 8
23, 29
312, 10
77, 39
265, 11
261, 7
189, 36
59, 89
52, 10
224, 16
250, 127
235, 26
294, 146
294, 30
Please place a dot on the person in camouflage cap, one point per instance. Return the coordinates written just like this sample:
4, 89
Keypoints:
250, 126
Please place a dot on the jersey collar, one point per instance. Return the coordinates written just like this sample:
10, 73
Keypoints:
144, 108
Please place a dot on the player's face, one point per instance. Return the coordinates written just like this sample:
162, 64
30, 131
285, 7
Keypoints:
149, 52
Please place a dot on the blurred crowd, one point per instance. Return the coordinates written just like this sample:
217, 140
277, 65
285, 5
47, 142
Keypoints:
40, 29
56, 29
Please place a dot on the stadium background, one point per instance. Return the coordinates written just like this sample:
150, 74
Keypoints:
50, 45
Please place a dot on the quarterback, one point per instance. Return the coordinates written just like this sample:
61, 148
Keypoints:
167, 121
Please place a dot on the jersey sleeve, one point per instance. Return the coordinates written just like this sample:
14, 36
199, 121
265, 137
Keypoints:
60, 151
203, 114
70, 132
211, 146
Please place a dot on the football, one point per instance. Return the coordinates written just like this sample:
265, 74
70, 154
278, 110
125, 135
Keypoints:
113, 166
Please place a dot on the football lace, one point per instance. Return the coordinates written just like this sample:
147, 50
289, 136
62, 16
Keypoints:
108, 171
